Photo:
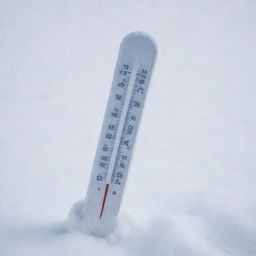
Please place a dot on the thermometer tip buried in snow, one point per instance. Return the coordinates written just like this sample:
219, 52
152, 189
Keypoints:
124, 108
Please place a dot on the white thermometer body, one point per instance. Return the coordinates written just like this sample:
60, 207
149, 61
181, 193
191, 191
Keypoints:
130, 83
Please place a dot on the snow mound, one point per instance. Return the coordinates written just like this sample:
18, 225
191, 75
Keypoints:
88, 224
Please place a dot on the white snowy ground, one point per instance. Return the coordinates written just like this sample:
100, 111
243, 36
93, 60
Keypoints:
191, 188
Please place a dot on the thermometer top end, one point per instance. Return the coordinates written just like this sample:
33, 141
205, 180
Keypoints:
140, 45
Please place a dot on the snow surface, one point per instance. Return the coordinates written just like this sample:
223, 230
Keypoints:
191, 187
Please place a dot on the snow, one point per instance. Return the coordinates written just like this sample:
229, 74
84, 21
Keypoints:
191, 187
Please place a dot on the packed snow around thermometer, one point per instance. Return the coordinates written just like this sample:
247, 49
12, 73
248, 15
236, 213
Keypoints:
109, 174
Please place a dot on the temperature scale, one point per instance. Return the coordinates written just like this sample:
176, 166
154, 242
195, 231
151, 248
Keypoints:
110, 169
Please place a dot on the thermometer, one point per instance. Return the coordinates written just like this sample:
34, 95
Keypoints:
124, 108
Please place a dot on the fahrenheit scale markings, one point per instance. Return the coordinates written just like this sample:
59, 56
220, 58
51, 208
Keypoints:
133, 69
